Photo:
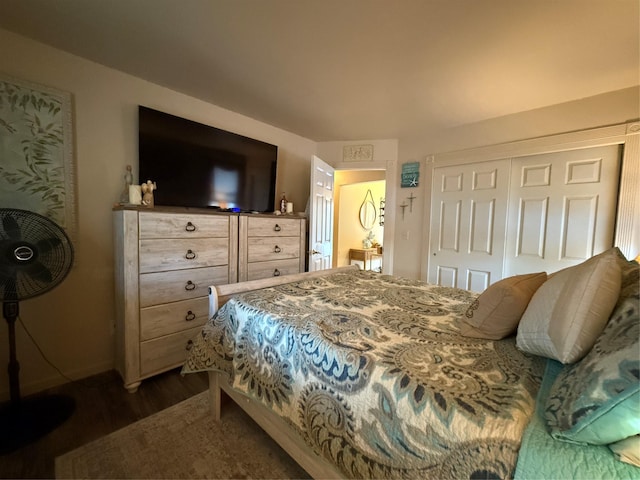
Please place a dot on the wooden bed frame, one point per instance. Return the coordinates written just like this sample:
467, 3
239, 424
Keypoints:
278, 429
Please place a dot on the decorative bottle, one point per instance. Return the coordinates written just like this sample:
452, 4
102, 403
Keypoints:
283, 204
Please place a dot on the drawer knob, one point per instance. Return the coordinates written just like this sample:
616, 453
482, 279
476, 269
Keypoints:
190, 316
277, 249
277, 228
189, 345
190, 285
190, 227
276, 273
190, 255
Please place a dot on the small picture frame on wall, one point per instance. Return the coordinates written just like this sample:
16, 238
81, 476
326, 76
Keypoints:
357, 153
410, 175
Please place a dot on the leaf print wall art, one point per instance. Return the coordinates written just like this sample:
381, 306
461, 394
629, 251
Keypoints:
37, 170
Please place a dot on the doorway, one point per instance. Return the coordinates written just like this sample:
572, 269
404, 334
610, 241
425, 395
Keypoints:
352, 187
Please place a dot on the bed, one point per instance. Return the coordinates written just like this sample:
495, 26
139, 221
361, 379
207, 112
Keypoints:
362, 375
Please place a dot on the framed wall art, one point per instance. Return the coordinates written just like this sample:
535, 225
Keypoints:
357, 153
410, 175
37, 168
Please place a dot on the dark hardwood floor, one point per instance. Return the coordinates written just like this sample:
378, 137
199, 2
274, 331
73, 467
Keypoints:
102, 406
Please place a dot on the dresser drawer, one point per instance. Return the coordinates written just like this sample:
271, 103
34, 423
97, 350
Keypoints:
274, 268
163, 287
273, 227
178, 225
261, 249
173, 317
159, 255
166, 352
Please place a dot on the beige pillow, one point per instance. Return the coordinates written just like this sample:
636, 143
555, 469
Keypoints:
569, 311
496, 312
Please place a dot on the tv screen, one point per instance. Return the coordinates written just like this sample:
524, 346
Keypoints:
196, 165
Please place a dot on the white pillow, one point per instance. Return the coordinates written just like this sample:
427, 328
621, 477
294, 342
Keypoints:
496, 312
569, 311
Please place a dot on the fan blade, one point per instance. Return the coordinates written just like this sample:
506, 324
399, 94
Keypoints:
10, 290
37, 271
46, 245
12, 228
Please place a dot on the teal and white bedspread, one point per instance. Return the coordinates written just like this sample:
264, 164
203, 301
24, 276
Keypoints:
369, 370
542, 456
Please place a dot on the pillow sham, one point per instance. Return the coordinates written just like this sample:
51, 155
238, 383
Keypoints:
496, 312
597, 401
569, 311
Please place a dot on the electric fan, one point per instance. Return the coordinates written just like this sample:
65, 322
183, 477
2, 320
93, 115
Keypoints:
35, 256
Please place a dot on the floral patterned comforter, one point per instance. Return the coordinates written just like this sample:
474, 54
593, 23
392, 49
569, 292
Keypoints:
370, 371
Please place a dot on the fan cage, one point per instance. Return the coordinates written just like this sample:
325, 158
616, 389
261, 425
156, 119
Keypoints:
52, 258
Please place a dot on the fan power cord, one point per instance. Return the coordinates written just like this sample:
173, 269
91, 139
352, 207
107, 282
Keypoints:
82, 383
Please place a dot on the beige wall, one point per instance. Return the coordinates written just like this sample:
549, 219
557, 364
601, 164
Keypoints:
73, 324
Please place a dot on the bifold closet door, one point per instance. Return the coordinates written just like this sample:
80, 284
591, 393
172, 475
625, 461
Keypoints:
468, 215
561, 208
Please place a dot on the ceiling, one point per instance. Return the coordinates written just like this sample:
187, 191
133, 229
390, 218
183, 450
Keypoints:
354, 69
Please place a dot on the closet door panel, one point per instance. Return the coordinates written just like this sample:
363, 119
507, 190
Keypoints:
578, 227
531, 226
468, 216
560, 208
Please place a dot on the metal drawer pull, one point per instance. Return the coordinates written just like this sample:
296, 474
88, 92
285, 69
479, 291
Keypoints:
190, 285
276, 273
190, 255
277, 228
277, 249
190, 316
190, 227
189, 345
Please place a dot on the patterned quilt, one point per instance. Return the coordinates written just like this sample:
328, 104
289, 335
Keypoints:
371, 372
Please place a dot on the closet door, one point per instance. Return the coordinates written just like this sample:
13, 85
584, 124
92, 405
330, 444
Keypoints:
561, 208
468, 214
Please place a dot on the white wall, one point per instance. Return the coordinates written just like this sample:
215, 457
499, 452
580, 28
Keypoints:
73, 324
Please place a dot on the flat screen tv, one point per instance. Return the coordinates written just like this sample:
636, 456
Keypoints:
196, 165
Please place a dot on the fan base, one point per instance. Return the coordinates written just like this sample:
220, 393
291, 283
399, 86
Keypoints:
31, 419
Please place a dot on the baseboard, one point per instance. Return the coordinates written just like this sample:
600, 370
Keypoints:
30, 388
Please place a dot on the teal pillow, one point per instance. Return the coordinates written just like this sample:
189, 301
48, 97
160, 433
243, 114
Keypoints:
597, 400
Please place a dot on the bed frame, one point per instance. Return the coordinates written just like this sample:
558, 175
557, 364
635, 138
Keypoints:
275, 427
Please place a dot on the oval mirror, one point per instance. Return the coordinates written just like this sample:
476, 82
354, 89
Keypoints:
368, 212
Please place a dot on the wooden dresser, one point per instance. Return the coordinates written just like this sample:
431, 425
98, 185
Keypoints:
270, 246
165, 260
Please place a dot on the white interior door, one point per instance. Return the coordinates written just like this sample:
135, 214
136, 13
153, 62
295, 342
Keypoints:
321, 216
468, 214
561, 208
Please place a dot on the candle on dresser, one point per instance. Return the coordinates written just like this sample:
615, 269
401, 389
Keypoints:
135, 194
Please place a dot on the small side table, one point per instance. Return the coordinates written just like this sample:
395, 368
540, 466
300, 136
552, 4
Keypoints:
364, 255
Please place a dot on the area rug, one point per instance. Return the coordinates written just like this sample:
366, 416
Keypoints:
182, 441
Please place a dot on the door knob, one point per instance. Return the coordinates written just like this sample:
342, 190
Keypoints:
315, 252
